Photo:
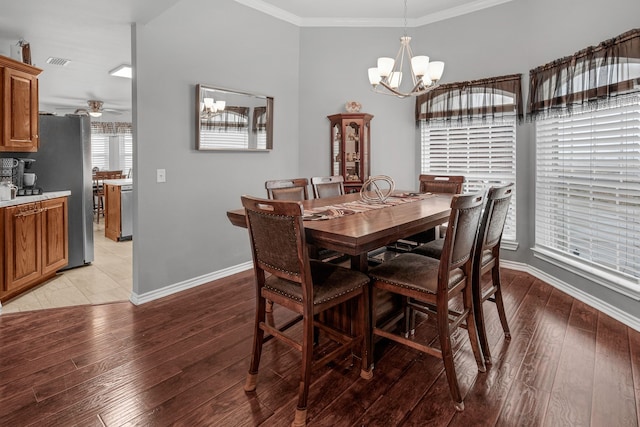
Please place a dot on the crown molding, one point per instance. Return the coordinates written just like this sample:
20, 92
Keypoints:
369, 22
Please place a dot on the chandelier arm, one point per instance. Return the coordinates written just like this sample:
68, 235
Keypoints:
413, 92
414, 78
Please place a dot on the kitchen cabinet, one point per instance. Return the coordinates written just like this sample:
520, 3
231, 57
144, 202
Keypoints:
18, 106
35, 237
350, 142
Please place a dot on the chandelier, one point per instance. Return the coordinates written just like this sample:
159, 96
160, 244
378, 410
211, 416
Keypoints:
387, 76
210, 107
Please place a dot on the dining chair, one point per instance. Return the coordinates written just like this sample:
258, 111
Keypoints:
287, 189
487, 258
98, 189
428, 285
327, 186
286, 275
448, 184
451, 184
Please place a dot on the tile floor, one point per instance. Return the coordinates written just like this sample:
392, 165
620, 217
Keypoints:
107, 279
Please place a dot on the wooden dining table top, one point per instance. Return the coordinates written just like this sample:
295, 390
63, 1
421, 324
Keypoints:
361, 232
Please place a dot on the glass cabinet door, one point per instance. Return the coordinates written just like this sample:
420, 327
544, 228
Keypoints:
350, 148
336, 141
352, 135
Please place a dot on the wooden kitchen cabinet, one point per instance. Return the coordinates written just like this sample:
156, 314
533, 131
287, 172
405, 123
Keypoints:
112, 220
18, 106
35, 237
55, 229
350, 142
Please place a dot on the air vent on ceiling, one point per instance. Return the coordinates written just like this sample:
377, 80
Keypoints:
57, 61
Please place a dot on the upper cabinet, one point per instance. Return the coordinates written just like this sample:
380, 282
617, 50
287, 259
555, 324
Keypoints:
18, 106
350, 135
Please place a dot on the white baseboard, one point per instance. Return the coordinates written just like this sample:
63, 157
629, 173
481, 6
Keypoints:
616, 313
621, 316
188, 284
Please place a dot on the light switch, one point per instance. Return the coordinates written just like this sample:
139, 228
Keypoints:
161, 175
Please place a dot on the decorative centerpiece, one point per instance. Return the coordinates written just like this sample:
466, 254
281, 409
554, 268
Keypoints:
381, 192
353, 107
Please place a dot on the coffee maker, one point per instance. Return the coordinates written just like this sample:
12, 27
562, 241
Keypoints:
24, 166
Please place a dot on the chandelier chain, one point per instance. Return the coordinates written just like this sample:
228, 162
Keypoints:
405, 18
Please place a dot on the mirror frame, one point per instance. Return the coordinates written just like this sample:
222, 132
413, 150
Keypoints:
200, 91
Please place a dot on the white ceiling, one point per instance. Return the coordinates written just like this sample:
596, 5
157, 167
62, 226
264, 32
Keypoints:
95, 36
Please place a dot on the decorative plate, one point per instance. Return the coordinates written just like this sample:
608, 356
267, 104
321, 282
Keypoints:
353, 107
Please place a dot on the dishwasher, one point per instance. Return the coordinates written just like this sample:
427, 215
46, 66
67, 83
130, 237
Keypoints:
126, 212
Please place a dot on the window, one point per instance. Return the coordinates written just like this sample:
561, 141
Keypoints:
125, 143
99, 151
588, 192
112, 146
228, 129
484, 153
587, 113
469, 128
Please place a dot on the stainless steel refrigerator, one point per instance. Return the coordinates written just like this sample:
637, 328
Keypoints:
63, 162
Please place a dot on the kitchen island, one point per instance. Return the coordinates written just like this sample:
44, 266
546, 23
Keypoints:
34, 231
118, 209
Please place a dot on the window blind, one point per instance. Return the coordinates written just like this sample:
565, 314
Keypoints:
224, 139
125, 141
485, 153
100, 151
588, 189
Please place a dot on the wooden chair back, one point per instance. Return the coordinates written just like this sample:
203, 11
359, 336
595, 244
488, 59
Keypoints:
327, 186
494, 218
451, 184
100, 176
460, 238
278, 240
287, 189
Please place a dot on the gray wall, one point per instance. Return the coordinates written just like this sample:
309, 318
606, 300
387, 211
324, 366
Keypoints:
312, 72
511, 38
182, 230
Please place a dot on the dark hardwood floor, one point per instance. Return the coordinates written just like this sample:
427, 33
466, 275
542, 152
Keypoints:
182, 361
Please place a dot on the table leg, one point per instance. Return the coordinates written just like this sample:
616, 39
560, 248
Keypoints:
359, 263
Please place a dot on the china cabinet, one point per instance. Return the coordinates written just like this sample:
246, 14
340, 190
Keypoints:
18, 106
350, 139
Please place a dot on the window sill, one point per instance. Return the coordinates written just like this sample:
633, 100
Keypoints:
509, 245
610, 280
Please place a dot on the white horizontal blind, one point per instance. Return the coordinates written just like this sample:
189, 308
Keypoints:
125, 141
227, 130
261, 136
485, 153
232, 138
588, 189
100, 151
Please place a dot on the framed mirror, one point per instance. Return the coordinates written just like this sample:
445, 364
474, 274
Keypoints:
233, 121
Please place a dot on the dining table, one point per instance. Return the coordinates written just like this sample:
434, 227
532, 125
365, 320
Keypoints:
348, 225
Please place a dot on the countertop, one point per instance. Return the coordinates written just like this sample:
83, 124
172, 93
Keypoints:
30, 199
118, 182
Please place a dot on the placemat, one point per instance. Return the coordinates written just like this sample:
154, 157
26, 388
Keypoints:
350, 208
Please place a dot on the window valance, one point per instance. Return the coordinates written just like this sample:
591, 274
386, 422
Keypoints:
487, 99
231, 117
591, 76
111, 128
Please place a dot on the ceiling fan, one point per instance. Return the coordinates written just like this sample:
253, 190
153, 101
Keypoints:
94, 110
